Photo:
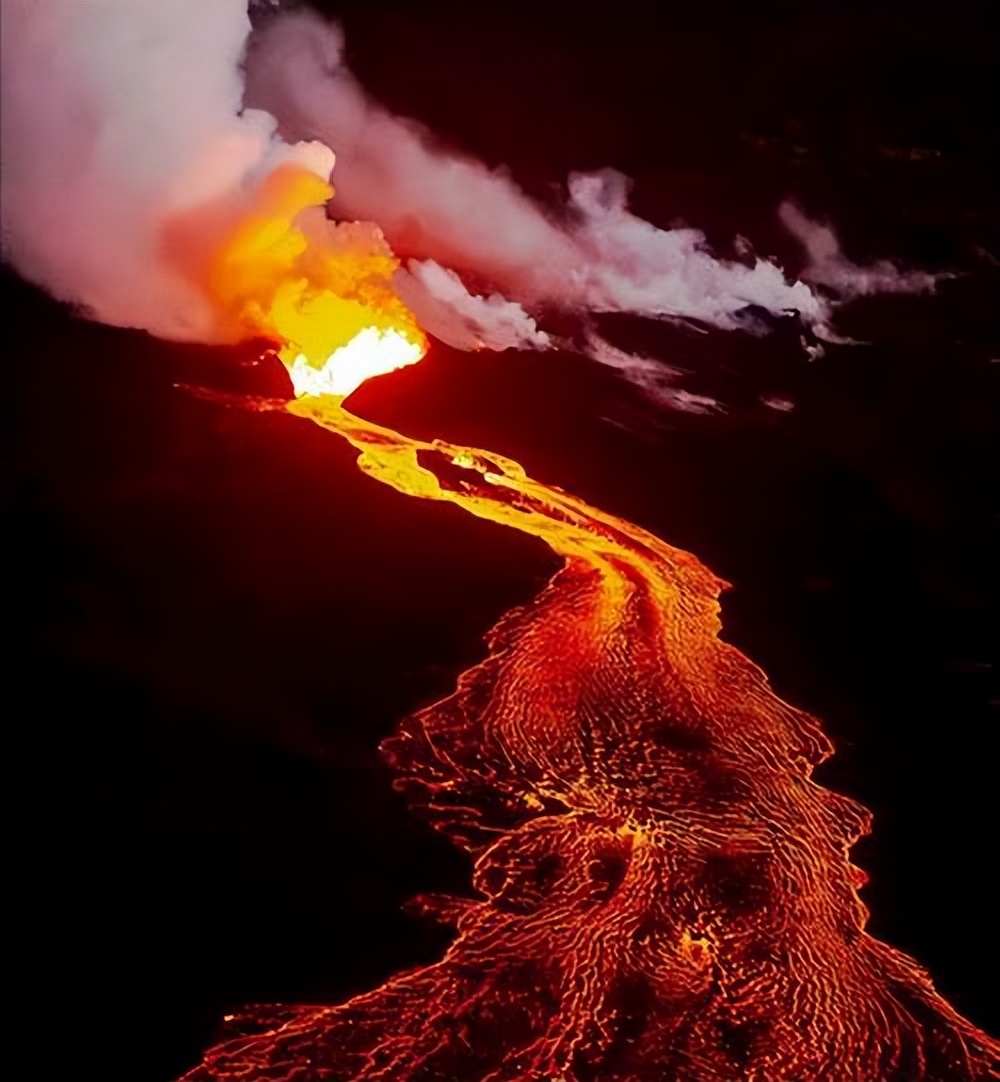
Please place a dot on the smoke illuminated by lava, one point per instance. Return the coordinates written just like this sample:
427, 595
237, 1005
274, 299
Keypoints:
323, 290
190, 217
662, 892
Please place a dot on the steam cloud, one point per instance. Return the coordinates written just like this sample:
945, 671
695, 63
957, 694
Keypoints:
121, 116
117, 116
828, 266
452, 210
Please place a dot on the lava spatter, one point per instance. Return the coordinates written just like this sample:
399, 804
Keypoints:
661, 891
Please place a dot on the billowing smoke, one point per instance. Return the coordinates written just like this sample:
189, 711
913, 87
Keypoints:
438, 206
135, 134
446, 309
118, 116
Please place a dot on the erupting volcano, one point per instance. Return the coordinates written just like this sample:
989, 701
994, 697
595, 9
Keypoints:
661, 891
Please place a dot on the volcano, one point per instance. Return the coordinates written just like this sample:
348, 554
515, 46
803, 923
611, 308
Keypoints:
621, 854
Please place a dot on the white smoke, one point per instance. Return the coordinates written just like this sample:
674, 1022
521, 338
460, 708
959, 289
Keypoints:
117, 115
828, 266
453, 210
120, 115
656, 379
446, 309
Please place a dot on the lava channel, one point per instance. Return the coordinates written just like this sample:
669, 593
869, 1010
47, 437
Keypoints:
661, 891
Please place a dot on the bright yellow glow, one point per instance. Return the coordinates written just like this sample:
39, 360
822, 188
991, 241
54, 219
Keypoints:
369, 353
327, 297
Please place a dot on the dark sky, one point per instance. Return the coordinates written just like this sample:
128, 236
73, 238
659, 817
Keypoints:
213, 618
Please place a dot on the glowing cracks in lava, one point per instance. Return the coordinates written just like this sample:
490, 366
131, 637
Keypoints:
661, 889
370, 352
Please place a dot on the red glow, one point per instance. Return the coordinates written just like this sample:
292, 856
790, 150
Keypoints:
662, 892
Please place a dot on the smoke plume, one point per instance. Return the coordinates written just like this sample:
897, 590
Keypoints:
440, 206
140, 138
829, 267
117, 117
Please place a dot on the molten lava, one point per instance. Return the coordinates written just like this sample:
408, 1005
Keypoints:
370, 352
661, 891
323, 291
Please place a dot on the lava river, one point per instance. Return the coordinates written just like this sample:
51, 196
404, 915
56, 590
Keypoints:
661, 891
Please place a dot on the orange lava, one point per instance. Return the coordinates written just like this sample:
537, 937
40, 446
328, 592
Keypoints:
273, 266
661, 891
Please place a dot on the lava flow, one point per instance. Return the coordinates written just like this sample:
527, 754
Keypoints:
662, 893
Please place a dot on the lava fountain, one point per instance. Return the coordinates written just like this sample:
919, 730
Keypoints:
661, 891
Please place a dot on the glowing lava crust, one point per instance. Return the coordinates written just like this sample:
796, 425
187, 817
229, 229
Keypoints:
661, 892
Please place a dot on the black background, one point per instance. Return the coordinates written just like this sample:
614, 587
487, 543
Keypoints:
213, 618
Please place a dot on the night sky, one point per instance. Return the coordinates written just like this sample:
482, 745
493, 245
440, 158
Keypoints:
213, 618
